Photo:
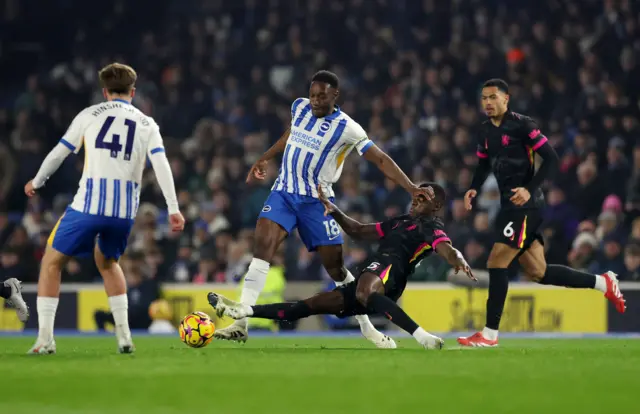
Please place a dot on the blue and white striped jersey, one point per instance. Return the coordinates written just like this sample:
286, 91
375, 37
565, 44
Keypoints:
316, 150
117, 139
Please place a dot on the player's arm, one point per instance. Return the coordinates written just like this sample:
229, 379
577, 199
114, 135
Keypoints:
352, 227
391, 170
550, 163
164, 176
70, 142
453, 257
550, 159
259, 169
482, 169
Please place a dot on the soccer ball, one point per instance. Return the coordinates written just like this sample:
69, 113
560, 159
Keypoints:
196, 330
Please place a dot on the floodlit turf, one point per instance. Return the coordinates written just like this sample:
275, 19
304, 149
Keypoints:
324, 376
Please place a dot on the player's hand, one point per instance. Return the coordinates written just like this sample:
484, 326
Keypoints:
464, 266
520, 196
29, 190
468, 198
257, 171
426, 192
176, 222
329, 207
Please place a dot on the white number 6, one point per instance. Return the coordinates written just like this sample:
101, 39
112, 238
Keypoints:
508, 230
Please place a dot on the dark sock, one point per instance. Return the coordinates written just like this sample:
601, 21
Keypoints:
5, 291
384, 306
557, 275
288, 311
498, 288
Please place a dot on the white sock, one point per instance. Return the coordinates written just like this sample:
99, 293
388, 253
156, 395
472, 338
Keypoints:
490, 334
347, 279
601, 284
421, 335
254, 281
47, 307
119, 306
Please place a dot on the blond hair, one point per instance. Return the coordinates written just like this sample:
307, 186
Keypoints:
117, 78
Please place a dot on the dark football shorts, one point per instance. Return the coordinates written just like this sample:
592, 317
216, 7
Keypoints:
519, 228
389, 269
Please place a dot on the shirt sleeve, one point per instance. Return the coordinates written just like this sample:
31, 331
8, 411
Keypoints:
435, 234
300, 102
155, 145
356, 136
481, 150
536, 138
72, 139
384, 227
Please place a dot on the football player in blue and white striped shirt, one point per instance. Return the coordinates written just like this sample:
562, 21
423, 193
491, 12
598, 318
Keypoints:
319, 139
117, 140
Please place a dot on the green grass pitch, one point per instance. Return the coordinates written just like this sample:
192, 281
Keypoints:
320, 375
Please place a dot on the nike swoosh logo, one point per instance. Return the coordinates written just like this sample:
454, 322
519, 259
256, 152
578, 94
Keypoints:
334, 237
246, 279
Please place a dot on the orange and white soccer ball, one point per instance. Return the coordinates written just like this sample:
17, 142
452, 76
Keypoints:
196, 330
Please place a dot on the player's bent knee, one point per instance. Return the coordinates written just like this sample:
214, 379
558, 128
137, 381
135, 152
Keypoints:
534, 275
362, 296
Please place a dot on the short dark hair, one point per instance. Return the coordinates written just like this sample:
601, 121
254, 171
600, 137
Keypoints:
118, 78
327, 77
498, 83
438, 190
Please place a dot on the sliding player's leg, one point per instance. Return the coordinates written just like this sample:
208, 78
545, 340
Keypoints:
373, 292
275, 222
537, 270
333, 262
11, 291
112, 242
322, 233
325, 303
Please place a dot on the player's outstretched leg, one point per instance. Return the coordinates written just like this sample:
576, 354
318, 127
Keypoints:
536, 269
370, 294
500, 258
325, 303
268, 237
116, 287
333, 262
47, 301
11, 290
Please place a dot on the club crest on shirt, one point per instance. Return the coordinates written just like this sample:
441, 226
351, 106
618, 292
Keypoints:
505, 140
325, 126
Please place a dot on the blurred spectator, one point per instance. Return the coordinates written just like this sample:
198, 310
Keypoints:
220, 86
142, 292
583, 253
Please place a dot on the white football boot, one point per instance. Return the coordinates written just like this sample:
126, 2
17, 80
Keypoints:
43, 347
16, 299
431, 342
125, 344
238, 331
376, 337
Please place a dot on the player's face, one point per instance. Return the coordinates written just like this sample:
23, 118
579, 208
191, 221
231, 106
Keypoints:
494, 101
322, 97
420, 206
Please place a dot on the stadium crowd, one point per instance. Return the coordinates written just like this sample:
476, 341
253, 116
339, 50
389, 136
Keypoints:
219, 77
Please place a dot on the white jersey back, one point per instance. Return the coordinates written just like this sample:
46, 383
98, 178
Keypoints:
117, 139
316, 150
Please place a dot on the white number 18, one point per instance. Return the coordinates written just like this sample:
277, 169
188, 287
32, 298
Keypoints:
332, 228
